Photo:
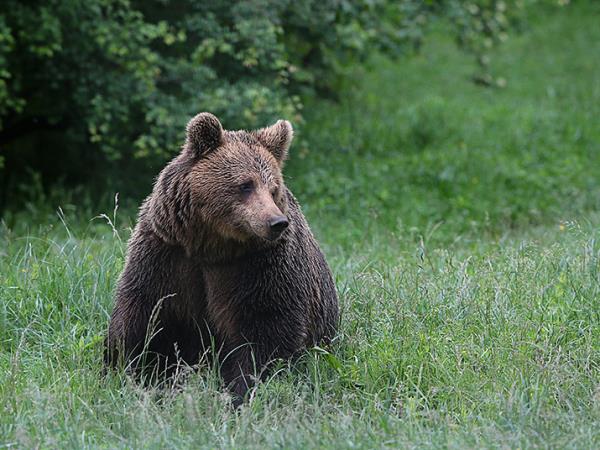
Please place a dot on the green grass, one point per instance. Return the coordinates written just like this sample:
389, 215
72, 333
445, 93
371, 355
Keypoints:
461, 224
415, 144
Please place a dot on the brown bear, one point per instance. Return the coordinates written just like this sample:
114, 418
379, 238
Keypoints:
222, 259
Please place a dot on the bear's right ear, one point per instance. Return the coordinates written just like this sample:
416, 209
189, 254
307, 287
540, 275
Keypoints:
204, 133
277, 139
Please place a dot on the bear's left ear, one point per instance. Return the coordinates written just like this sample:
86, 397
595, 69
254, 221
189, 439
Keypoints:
277, 139
203, 134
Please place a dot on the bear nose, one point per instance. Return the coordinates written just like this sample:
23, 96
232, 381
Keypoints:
278, 224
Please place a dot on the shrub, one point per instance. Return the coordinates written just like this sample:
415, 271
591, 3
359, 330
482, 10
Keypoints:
92, 90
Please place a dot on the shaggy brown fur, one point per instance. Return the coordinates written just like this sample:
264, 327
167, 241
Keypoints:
222, 253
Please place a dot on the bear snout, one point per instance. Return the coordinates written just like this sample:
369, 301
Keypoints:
276, 225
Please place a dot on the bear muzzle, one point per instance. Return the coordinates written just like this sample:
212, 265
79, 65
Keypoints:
277, 225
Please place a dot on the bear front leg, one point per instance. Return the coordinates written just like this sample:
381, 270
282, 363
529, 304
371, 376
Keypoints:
240, 370
247, 364
125, 342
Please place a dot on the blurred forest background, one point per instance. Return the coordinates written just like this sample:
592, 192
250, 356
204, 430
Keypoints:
97, 93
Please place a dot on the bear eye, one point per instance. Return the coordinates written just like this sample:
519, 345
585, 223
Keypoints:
247, 187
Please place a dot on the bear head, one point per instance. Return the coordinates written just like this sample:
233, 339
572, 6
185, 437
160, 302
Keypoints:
226, 185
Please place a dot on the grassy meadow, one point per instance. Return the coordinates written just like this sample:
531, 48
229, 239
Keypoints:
462, 225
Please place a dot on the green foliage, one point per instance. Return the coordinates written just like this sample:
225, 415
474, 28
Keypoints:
418, 146
100, 81
481, 25
105, 87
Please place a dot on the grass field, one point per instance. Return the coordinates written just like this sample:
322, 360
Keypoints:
462, 227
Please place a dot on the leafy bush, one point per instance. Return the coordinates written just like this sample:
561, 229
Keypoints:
482, 24
88, 87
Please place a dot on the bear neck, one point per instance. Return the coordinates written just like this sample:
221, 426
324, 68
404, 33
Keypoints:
215, 250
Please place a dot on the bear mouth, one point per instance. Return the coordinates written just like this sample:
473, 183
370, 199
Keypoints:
273, 238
